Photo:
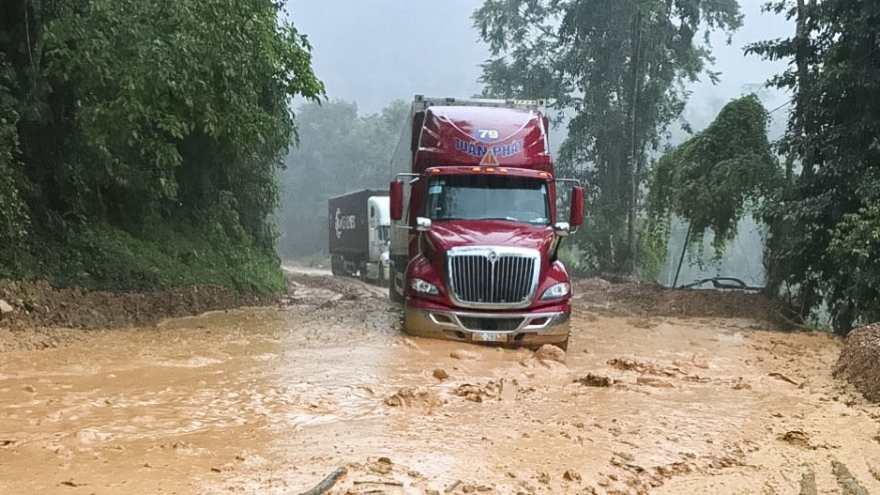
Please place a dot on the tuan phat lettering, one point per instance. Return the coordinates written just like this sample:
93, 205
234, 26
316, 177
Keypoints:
343, 222
499, 150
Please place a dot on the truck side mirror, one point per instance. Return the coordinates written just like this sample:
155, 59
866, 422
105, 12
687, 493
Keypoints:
577, 206
423, 224
561, 229
396, 200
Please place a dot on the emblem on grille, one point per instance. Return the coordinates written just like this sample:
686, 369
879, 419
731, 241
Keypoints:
492, 257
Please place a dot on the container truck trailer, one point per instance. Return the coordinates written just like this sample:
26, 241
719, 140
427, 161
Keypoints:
359, 234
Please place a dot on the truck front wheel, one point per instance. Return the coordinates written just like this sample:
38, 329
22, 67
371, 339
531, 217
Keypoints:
564, 344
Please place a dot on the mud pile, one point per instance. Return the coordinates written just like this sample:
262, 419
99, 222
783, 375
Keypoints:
642, 299
859, 362
37, 304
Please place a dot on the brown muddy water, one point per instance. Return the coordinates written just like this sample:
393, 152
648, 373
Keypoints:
270, 401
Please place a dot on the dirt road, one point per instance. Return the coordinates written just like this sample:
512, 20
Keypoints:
270, 401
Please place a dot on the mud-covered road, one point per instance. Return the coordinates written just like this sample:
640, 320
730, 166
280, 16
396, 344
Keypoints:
271, 401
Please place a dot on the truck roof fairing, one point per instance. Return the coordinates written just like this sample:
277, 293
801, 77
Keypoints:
487, 136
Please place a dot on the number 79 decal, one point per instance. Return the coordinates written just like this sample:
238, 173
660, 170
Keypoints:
487, 135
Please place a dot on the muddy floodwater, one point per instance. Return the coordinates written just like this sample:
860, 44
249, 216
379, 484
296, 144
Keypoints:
270, 401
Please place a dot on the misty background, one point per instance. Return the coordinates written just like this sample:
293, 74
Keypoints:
374, 56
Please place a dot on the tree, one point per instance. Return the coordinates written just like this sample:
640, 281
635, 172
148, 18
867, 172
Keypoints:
135, 120
619, 67
14, 220
712, 179
824, 222
339, 152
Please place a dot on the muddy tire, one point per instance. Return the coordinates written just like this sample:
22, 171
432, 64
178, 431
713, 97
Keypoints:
564, 344
337, 265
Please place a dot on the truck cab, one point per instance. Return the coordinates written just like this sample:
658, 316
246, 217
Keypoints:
476, 229
379, 223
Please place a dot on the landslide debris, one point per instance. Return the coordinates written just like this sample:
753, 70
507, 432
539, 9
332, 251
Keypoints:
636, 299
413, 397
477, 393
859, 362
592, 380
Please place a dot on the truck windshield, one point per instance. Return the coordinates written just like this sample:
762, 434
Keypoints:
484, 197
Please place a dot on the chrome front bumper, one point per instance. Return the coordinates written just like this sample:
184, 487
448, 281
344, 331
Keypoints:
526, 329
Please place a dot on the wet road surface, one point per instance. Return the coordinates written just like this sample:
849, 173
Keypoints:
271, 400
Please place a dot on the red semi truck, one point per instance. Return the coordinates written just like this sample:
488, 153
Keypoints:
475, 232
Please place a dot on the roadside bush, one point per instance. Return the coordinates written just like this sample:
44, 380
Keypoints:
158, 257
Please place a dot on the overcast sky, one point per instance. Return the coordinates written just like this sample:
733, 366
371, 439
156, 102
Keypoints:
375, 51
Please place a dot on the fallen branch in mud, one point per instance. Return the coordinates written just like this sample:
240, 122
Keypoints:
632, 467
799, 326
452, 487
327, 483
378, 482
784, 378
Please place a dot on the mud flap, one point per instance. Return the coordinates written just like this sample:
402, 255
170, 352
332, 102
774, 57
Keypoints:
395, 279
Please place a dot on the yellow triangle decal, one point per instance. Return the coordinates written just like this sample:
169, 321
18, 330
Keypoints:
489, 159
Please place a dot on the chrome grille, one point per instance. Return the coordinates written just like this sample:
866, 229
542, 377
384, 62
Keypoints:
493, 277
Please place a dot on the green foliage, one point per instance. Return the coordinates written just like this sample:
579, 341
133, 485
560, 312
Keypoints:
855, 248
573, 259
653, 248
150, 77
617, 69
711, 179
30, 302
157, 257
148, 131
339, 152
14, 220
824, 218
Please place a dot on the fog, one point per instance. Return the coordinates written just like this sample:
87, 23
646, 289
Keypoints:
378, 51
372, 53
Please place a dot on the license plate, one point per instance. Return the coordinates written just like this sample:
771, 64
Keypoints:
489, 337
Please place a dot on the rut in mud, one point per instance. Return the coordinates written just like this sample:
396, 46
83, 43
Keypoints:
273, 400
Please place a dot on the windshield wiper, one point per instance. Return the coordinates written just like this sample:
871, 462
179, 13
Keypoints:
509, 219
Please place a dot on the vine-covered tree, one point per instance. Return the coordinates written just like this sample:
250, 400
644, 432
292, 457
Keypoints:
715, 178
146, 137
618, 69
825, 230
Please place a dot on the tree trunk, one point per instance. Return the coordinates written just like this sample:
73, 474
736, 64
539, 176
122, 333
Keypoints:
803, 104
633, 152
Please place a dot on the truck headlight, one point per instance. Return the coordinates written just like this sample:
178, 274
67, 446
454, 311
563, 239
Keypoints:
423, 287
561, 289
